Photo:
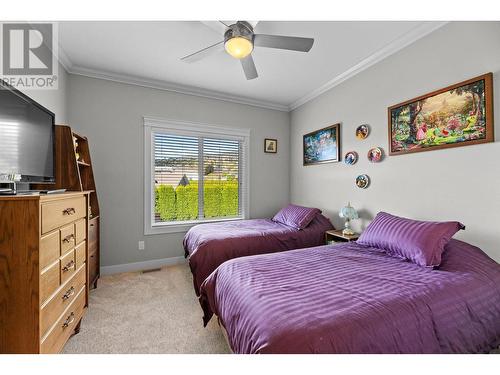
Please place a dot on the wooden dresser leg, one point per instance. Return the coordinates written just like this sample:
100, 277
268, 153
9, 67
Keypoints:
95, 283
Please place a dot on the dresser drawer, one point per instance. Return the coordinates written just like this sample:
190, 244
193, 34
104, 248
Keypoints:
67, 264
80, 230
61, 212
60, 301
49, 281
93, 236
93, 264
67, 238
65, 325
80, 254
49, 249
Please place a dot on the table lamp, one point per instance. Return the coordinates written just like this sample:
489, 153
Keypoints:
348, 213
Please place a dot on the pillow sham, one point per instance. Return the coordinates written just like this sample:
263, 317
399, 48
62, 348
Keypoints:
298, 217
421, 242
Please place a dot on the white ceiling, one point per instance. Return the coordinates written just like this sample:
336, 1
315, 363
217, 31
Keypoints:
148, 53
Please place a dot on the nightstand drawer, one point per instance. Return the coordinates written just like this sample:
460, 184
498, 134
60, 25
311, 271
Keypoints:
332, 242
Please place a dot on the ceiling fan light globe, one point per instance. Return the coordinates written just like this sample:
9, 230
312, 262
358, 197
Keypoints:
238, 47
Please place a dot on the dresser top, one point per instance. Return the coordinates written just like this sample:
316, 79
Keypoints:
44, 197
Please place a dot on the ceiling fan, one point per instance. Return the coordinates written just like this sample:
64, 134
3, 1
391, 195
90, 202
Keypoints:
240, 40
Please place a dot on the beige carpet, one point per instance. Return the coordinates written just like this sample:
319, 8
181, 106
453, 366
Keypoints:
155, 312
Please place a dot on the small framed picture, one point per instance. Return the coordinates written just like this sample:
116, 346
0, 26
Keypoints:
322, 146
351, 157
271, 146
362, 131
362, 181
375, 155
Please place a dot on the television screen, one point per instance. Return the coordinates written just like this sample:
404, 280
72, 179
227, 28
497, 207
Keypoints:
26, 137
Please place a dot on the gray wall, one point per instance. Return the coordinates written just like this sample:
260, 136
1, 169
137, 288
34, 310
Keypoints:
110, 115
54, 100
454, 184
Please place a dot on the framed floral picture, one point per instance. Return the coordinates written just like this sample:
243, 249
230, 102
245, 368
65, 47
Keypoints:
458, 115
322, 146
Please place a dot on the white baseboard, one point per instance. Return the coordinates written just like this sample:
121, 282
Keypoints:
141, 266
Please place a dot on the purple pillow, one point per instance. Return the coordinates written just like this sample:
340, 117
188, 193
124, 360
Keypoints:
421, 242
297, 217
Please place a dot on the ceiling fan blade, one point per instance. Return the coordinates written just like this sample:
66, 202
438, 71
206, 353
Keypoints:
249, 67
218, 26
217, 47
283, 42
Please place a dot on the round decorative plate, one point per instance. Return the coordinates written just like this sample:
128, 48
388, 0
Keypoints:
362, 131
375, 155
362, 181
351, 157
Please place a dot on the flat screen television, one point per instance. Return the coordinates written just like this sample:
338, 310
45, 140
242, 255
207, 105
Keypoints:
26, 138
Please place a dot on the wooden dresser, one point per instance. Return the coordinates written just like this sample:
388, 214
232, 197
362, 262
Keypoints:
43, 270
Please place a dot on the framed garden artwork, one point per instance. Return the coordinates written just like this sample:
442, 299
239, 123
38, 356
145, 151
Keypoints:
322, 146
458, 115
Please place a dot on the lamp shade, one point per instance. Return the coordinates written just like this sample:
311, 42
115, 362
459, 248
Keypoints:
348, 212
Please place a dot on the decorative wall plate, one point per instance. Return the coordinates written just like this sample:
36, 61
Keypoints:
351, 157
375, 155
362, 131
362, 181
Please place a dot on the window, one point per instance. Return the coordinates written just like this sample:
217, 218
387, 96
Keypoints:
194, 173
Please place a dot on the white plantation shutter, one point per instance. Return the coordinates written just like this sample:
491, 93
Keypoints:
175, 156
197, 174
221, 165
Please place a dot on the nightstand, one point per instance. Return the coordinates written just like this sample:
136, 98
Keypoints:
336, 236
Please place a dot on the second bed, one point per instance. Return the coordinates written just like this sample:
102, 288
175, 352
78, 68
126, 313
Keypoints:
209, 245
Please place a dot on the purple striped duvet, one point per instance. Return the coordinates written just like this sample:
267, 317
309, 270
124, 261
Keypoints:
351, 298
210, 245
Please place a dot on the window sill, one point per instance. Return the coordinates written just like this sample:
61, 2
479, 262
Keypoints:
182, 227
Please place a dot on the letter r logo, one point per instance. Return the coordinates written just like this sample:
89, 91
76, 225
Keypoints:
27, 49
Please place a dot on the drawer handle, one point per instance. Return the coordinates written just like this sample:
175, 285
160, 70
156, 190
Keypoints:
69, 211
68, 238
68, 293
68, 266
70, 319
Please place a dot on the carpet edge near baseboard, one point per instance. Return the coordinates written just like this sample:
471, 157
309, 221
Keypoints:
141, 266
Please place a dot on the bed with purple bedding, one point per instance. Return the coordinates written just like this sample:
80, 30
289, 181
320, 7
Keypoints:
209, 245
352, 298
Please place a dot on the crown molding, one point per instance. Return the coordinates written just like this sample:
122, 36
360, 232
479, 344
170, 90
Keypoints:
63, 59
405, 40
181, 89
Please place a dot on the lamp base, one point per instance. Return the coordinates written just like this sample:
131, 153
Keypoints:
348, 232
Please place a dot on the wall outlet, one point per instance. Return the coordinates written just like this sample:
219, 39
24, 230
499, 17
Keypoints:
141, 245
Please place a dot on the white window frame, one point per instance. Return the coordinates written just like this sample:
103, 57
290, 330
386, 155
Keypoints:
152, 125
